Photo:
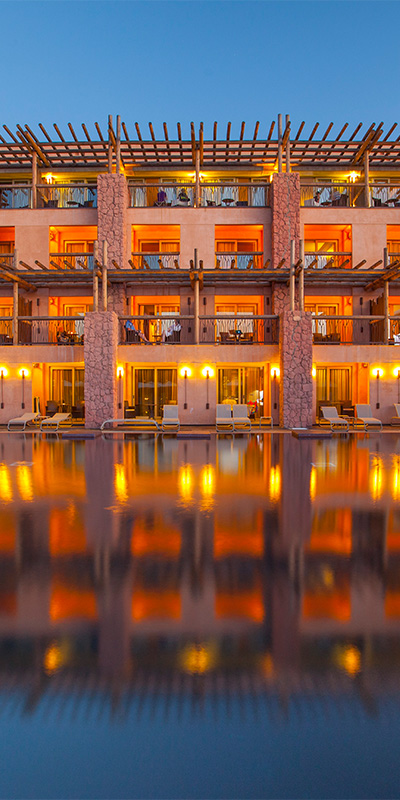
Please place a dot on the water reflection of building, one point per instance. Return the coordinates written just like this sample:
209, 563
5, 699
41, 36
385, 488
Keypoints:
197, 565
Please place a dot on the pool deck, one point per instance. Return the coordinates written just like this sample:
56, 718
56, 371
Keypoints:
194, 432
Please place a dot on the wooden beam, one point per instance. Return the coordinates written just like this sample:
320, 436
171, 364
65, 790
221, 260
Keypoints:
10, 276
360, 264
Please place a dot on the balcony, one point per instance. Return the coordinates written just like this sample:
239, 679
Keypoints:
241, 195
349, 195
211, 195
319, 259
71, 260
15, 196
238, 260
151, 330
152, 260
149, 195
42, 330
335, 329
216, 329
67, 195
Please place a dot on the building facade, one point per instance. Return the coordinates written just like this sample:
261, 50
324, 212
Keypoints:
136, 273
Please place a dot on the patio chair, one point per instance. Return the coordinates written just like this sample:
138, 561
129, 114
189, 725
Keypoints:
223, 419
53, 423
170, 421
241, 420
365, 419
336, 423
20, 423
396, 419
133, 424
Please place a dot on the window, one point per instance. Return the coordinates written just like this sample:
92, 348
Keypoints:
234, 251
242, 385
153, 388
333, 387
153, 329
67, 386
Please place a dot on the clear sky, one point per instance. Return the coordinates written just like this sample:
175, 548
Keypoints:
162, 60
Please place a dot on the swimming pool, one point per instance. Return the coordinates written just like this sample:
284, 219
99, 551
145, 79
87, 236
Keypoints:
199, 618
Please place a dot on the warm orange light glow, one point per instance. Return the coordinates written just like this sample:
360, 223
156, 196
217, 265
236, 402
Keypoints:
155, 605
396, 372
376, 478
396, 478
185, 372
49, 177
377, 372
120, 371
3, 372
6, 493
348, 657
120, 486
313, 482
275, 483
199, 658
207, 486
353, 176
208, 372
24, 483
185, 481
55, 657
314, 372
23, 372
275, 372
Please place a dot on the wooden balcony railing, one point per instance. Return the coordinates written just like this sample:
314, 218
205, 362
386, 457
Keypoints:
67, 195
15, 196
327, 260
71, 260
222, 195
6, 330
147, 195
326, 195
241, 195
161, 260
238, 260
239, 329
159, 329
42, 330
338, 329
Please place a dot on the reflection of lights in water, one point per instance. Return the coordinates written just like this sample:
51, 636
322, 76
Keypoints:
328, 578
199, 658
55, 657
120, 488
376, 478
275, 483
185, 481
207, 486
6, 494
24, 483
396, 478
348, 658
313, 483
267, 665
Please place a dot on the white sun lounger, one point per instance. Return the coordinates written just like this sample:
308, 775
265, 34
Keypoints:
396, 419
134, 423
365, 419
241, 420
330, 414
20, 423
170, 421
223, 419
53, 423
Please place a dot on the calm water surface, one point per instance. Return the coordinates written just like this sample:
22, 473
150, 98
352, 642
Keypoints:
200, 619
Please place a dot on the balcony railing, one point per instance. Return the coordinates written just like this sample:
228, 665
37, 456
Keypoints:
6, 330
15, 196
51, 330
7, 259
236, 194
237, 260
239, 329
384, 196
71, 260
325, 260
147, 195
153, 260
67, 195
161, 329
325, 195
337, 329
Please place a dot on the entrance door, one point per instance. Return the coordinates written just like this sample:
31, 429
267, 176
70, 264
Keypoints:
333, 387
242, 385
154, 388
67, 387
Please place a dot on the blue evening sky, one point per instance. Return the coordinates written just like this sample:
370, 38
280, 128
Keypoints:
161, 60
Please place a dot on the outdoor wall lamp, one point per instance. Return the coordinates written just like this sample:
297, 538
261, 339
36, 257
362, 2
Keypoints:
314, 372
207, 373
377, 373
185, 372
120, 375
275, 373
3, 374
24, 374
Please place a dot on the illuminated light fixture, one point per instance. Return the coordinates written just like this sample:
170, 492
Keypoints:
377, 373
23, 374
120, 375
207, 373
49, 177
185, 372
314, 372
353, 176
275, 373
275, 483
3, 374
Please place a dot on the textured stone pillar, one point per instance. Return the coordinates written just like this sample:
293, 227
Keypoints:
112, 204
117, 299
285, 215
295, 354
100, 352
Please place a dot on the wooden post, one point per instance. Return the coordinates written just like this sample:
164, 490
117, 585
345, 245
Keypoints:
110, 157
15, 312
385, 258
118, 143
366, 180
291, 274
279, 142
386, 312
104, 276
196, 301
95, 278
197, 186
288, 146
34, 180
301, 275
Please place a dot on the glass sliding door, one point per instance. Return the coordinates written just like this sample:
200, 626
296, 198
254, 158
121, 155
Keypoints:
242, 385
228, 385
144, 392
333, 387
153, 389
67, 387
166, 389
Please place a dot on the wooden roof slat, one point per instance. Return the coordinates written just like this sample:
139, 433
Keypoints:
57, 130
178, 126
43, 129
355, 131
166, 139
299, 132
128, 141
255, 134
215, 130
228, 134
390, 131
31, 133
139, 135
201, 141
193, 138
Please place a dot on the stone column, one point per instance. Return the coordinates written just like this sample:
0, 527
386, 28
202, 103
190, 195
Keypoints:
100, 353
112, 204
285, 216
295, 355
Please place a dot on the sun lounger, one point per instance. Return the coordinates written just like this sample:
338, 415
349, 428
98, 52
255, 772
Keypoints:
241, 420
53, 423
331, 416
396, 419
20, 423
133, 423
170, 421
223, 419
365, 419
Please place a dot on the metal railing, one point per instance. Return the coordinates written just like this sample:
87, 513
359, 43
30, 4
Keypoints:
6, 330
239, 329
226, 195
338, 329
71, 260
51, 330
238, 260
153, 260
326, 260
326, 195
15, 196
67, 195
147, 195
160, 329
384, 195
